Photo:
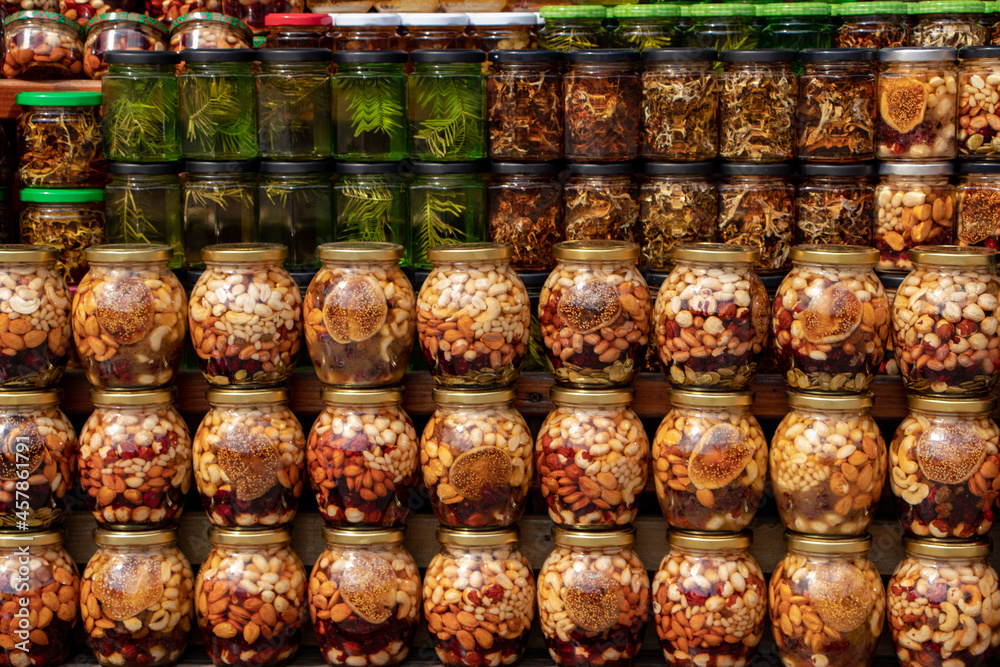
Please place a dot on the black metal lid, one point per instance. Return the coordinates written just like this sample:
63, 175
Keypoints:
294, 55
141, 57
368, 57
757, 56
838, 55
678, 168
144, 168
602, 56
448, 56
744, 169
223, 167
600, 169
654, 279
679, 55
218, 55
979, 52
553, 167
979, 168
391, 168
534, 280
861, 169
525, 56
432, 168
306, 167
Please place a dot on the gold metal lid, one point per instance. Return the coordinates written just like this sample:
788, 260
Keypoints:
242, 537
472, 396
30, 398
596, 251
617, 537
953, 255
828, 544
469, 252
244, 252
130, 252
359, 252
928, 546
125, 398
805, 400
566, 396
698, 539
721, 253
710, 399
122, 536
470, 537
246, 396
951, 405
361, 396
362, 536
16, 253
30, 538
816, 253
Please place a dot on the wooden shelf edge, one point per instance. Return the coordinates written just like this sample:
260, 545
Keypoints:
9, 88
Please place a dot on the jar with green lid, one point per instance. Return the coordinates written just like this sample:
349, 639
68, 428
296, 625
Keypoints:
602, 105
835, 203
525, 105
721, 26
908, 191
600, 201
526, 211
367, 32
796, 26
424, 30
217, 104
871, 25
978, 81
220, 205
295, 200
293, 104
370, 203
447, 105
645, 27
835, 113
757, 209
117, 31
935, 573
209, 30
569, 27
757, 96
918, 103
949, 23
832, 585
490, 31
680, 100
369, 110
59, 140
678, 203
447, 204
142, 204
139, 113
29, 39
299, 31
68, 220
978, 210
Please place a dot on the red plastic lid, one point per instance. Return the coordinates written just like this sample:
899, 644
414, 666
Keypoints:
297, 19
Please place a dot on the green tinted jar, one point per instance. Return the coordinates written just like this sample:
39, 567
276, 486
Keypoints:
218, 104
949, 23
68, 220
447, 205
139, 121
293, 104
142, 204
370, 203
569, 27
446, 105
369, 107
790, 25
871, 25
296, 209
220, 205
644, 27
721, 26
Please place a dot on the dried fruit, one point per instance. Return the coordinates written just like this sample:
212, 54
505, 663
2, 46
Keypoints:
902, 102
719, 457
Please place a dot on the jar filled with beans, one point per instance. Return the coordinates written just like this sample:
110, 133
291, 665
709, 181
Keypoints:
914, 205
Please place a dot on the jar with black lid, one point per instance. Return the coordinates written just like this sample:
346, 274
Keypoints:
680, 103
678, 203
835, 203
142, 204
220, 205
836, 105
757, 99
370, 202
369, 118
526, 211
600, 202
757, 209
602, 105
524, 105
293, 104
295, 209
299, 31
218, 104
135, 81
447, 205
447, 105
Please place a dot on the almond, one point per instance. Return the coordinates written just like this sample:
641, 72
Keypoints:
268, 614
224, 630
19, 326
251, 632
13, 341
466, 640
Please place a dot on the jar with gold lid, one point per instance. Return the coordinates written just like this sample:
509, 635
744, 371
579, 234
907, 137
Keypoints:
362, 457
136, 598
593, 598
827, 601
477, 568
709, 580
939, 592
364, 596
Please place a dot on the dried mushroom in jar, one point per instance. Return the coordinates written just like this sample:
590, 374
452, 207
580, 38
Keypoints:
836, 105
757, 96
680, 99
678, 203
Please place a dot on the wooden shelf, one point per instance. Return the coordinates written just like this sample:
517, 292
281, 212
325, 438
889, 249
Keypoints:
9, 88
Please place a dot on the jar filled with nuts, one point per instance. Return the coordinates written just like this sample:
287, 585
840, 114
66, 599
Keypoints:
39, 579
945, 321
937, 496
978, 197
592, 455
135, 457
594, 313
249, 458
41, 46
891, 283
711, 317
708, 584
944, 604
479, 434
711, 434
362, 456
130, 317
678, 203
757, 209
593, 598
37, 459
827, 602
209, 30
915, 205
251, 593
245, 315
473, 316
169, 10
368, 31
978, 98
34, 313
842, 445
117, 31
364, 597
835, 203
136, 599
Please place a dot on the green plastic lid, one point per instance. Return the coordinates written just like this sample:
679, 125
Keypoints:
45, 16
644, 11
947, 7
991, 7
134, 17
214, 17
67, 99
794, 9
574, 12
723, 9
870, 8
78, 196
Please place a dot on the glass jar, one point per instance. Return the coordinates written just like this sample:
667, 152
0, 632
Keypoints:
978, 80
644, 27
34, 309
38, 464
320, 7
871, 25
757, 98
908, 191
379, 585
143, 205
797, 26
473, 6
525, 105
919, 82
370, 203
136, 597
721, 26
712, 286
709, 580
59, 140
447, 105
370, 114
593, 598
597, 280
251, 574
31, 37
941, 586
720, 428
977, 195
447, 203
835, 203
129, 321
592, 455
491, 31
471, 568
600, 202
255, 13
220, 205
293, 104
209, 30
366, 32
678, 203
167, 11
835, 115
891, 283
68, 220
296, 209
260, 349
135, 458
836, 594
218, 101
757, 209
602, 105
944, 319
949, 23
249, 458
680, 99
568, 27
424, 29
117, 31
299, 31
139, 112
526, 212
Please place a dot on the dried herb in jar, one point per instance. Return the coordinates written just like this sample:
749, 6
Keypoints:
525, 212
59, 139
602, 105
600, 202
757, 106
680, 104
370, 114
836, 106
678, 203
835, 204
525, 105
757, 209
69, 220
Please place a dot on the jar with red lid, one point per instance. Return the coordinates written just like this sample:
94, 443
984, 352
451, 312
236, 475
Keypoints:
299, 31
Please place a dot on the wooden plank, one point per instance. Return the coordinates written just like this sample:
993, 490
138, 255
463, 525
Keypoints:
9, 88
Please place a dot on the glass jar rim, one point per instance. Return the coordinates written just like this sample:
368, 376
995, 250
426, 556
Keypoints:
818, 253
352, 396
